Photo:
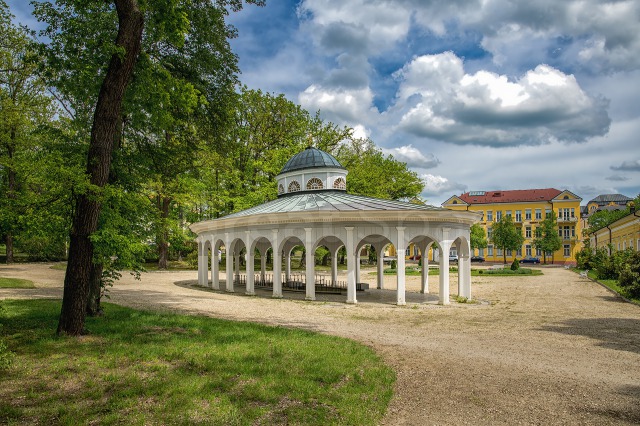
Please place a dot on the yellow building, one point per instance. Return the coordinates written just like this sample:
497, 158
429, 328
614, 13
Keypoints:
622, 234
528, 208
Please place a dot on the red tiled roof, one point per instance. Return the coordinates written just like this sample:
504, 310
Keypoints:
513, 196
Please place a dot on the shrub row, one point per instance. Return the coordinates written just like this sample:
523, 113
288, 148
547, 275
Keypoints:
609, 264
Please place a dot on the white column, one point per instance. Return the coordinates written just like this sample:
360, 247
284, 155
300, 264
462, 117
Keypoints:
424, 288
380, 266
287, 263
263, 264
334, 265
215, 267
351, 266
250, 290
277, 265
401, 245
357, 266
200, 263
229, 263
445, 245
236, 267
464, 269
310, 278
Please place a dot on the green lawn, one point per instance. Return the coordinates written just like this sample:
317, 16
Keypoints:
15, 283
138, 367
613, 285
474, 272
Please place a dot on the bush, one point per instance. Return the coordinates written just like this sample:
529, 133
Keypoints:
6, 356
630, 275
584, 258
515, 265
394, 264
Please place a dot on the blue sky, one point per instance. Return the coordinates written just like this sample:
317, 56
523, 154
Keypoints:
473, 95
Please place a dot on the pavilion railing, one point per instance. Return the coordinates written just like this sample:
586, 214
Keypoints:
297, 282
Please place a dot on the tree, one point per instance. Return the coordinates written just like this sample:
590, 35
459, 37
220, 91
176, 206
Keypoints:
373, 174
547, 238
24, 107
478, 237
168, 22
506, 236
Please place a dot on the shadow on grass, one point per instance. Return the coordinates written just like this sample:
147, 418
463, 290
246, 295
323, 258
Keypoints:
622, 334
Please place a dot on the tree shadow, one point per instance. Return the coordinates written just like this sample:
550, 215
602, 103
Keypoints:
622, 334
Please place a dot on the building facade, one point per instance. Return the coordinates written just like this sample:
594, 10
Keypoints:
528, 208
622, 234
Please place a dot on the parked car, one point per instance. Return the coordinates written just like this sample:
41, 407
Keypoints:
530, 259
416, 257
453, 258
478, 259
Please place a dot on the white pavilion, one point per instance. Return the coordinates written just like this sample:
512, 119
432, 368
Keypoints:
313, 209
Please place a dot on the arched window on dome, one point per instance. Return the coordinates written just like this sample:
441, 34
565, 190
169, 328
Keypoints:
294, 186
339, 184
280, 189
314, 183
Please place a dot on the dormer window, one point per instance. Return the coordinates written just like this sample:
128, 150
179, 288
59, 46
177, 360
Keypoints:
294, 186
340, 183
314, 183
280, 189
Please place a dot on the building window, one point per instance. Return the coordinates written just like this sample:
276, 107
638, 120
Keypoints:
509, 253
519, 252
573, 231
538, 214
538, 252
567, 250
339, 184
573, 213
481, 252
314, 183
499, 215
527, 250
547, 213
489, 232
294, 186
527, 232
490, 249
567, 232
499, 252
509, 214
280, 189
489, 216
518, 215
407, 252
527, 214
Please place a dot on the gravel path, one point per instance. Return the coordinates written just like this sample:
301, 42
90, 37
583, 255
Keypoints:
551, 349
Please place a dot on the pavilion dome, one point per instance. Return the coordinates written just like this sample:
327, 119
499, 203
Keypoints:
311, 158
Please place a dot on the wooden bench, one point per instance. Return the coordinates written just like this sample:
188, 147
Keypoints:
494, 267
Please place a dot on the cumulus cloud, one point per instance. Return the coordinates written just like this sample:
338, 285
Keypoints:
413, 157
436, 185
440, 101
628, 166
337, 104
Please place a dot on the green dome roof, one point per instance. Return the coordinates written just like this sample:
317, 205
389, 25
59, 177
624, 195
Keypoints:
310, 158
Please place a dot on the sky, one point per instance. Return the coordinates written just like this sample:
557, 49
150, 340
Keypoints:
473, 95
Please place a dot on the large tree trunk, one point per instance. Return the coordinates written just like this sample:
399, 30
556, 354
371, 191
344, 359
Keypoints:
95, 290
163, 233
103, 133
8, 241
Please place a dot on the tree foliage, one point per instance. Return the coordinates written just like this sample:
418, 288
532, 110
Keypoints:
373, 174
547, 238
478, 237
506, 236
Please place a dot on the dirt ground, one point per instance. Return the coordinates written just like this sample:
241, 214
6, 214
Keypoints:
551, 349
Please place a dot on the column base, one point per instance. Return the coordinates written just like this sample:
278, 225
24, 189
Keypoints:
401, 303
249, 293
230, 291
444, 302
276, 296
310, 298
352, 302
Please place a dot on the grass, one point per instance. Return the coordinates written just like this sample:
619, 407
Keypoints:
15, 283
612, 285
474, 272
139, 367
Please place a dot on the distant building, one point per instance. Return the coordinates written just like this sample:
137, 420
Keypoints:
528, 208
622, 234
603, 202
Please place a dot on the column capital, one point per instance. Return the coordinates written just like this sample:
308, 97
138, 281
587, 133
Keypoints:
401, 228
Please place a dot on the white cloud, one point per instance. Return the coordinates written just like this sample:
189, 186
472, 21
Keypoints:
351, 106
437, 185
413, 157
441, 102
